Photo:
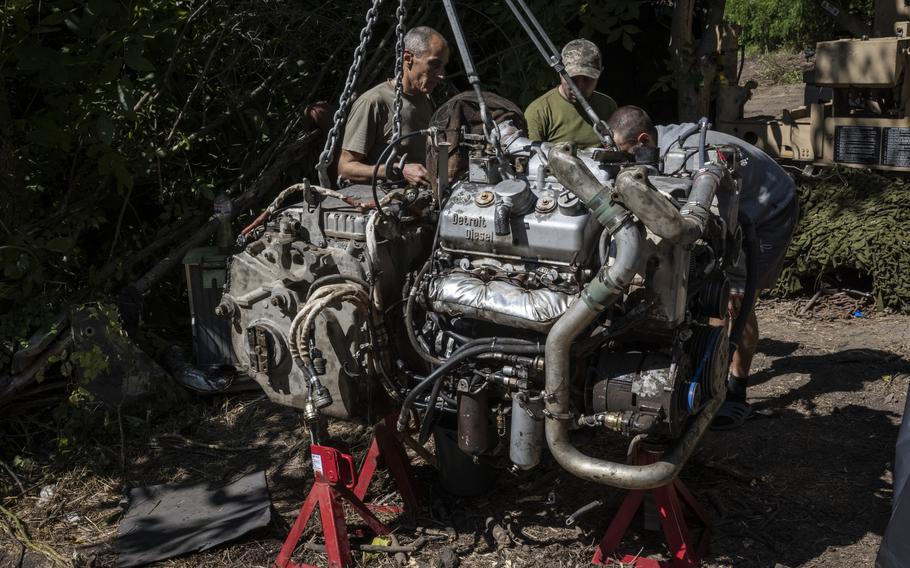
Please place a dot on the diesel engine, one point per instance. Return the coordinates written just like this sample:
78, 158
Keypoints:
545, 290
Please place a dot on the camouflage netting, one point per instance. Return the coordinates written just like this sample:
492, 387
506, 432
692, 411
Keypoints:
856, 223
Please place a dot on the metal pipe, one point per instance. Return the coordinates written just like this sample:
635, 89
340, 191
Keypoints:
596, 297
703, 126
659, 214
502, 217
442, 170
491, 133
575, 175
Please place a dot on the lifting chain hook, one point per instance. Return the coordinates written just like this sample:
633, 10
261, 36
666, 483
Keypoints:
399, 67
344, 101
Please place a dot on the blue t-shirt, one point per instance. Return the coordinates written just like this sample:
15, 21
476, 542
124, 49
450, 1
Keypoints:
766, 187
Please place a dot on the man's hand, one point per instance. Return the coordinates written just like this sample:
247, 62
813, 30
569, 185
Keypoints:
415, 174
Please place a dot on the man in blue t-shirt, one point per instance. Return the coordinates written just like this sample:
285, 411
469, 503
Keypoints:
767, 197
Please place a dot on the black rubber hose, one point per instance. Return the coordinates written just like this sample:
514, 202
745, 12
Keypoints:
409, 304
437, 385
409, 320
502, 219
749, 294
682, 138
476, 347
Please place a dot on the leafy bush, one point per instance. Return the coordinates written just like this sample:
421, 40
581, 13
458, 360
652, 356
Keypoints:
769, 25
120, 122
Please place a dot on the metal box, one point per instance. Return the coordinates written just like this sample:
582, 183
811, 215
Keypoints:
206, 269
877, 62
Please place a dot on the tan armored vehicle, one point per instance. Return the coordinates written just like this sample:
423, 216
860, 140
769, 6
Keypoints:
857, 111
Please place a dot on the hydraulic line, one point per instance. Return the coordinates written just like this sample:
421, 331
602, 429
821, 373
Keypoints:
490, 132
474, 348
382, 158
703, 126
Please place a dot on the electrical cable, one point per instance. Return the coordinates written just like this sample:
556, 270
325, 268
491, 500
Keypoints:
382, 158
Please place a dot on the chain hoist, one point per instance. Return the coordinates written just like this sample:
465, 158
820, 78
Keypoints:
344, 101
402, 13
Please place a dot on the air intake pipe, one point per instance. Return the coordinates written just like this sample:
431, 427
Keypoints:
601, 293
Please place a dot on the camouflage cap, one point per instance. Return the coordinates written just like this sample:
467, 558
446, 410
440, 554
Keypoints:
581, 57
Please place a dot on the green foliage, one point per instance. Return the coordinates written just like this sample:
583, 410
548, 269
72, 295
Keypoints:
510, 64
121, 121
769, 25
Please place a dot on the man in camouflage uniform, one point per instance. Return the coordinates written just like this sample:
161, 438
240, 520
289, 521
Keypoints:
556, 116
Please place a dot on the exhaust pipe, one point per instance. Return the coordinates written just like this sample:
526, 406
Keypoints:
598, 295
659, 214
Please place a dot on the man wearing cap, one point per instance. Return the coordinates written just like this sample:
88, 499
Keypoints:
556, 116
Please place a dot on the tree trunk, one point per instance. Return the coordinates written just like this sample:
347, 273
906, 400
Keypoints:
694, 65
681, 55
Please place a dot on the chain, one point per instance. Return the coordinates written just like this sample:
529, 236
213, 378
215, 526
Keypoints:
402, 13
344, 100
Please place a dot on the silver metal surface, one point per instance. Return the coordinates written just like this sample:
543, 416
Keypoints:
345, 225
526, 432
460, 294
553, 237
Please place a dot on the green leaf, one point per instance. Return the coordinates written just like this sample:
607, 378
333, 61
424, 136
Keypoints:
53, 19
111, 162
46, 131
33, 57
133, 58
627, 42
126, 98
60, 244
104, 127
110, 71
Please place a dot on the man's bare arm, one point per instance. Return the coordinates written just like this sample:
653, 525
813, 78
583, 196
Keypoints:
352, 166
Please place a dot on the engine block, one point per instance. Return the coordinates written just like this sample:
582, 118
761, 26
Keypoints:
443, 303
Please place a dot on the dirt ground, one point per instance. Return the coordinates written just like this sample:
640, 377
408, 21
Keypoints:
772, 95
805, 483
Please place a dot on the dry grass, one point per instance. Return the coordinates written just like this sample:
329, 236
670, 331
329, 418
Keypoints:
778, 486
776, 68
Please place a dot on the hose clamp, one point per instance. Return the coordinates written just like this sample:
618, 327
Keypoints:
558, 415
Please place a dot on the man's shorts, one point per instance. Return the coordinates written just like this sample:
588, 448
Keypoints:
774, 236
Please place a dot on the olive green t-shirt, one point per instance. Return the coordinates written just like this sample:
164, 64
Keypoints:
371, 121
551, 118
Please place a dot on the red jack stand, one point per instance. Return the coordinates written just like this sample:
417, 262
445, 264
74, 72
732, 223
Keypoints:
669, 500
335, 483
